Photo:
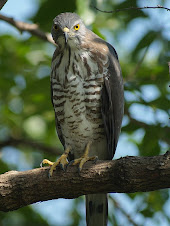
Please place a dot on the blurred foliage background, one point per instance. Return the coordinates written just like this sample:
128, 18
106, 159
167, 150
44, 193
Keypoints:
27, 126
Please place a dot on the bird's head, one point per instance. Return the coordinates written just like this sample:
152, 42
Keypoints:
68, 29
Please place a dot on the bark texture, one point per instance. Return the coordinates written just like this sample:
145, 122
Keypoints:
124, 175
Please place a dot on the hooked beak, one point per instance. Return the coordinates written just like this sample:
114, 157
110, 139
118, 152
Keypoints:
66, 35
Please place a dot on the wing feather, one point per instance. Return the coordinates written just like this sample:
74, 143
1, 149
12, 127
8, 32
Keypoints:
113, 101
58, 127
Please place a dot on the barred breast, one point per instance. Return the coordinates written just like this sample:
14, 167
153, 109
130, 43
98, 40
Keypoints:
77, 82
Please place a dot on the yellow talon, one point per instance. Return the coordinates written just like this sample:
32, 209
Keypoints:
46, 161
62, 160
85, 157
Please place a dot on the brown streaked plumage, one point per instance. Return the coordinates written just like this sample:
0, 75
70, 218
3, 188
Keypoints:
87, 96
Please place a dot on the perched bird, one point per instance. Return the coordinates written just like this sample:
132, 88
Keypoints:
88, 100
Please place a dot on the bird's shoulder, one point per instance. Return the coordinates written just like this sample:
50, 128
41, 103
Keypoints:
100, 45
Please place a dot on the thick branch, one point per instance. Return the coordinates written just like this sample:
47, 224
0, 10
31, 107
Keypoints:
31, 28
133, 8
30, 143
125, 175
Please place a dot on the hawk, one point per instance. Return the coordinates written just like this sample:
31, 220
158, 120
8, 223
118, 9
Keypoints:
88, 100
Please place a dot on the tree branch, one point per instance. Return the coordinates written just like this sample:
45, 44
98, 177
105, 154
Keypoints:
125, 175
132, 8
31, 28
30, 143
2, 3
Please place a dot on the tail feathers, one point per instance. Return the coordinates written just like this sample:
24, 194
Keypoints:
96, 210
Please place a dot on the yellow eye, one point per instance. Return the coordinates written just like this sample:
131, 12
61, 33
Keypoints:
76, 27
56, 27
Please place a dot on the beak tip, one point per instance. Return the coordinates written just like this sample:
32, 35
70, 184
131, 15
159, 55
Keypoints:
66, 36
66, 30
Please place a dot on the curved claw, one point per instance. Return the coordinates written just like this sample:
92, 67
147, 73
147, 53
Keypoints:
46, 161
84, 158
71, 163
96, 158
64, 167
62, 161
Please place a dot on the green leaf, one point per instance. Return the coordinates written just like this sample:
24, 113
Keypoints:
50, 9
146, 41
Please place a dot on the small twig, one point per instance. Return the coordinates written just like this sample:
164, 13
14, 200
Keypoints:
2, 3
117, 205
31, 28
32, 144
132, 8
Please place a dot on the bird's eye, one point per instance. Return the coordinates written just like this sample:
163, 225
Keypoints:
76, 27
56, 27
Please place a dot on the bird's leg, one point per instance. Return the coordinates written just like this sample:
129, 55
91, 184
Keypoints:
62, 160
85, 157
